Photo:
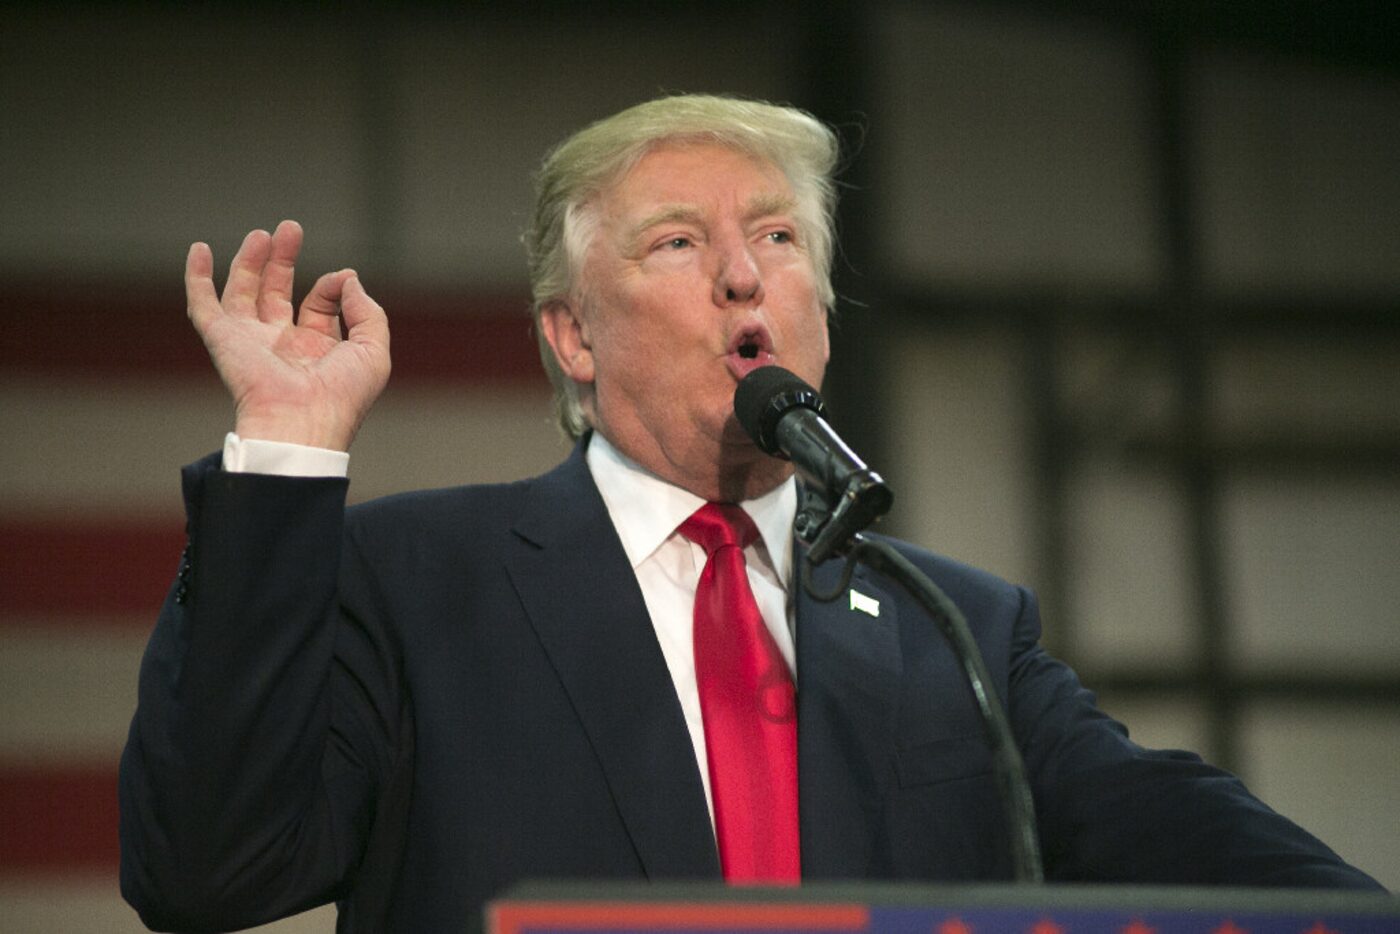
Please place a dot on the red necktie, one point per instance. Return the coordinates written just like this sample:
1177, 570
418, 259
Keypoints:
749, 707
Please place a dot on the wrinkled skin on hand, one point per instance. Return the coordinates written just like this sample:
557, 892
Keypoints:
292, 374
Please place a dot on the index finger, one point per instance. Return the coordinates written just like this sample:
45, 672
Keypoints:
320, 310
364, 317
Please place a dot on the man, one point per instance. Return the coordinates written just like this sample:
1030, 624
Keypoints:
408, 706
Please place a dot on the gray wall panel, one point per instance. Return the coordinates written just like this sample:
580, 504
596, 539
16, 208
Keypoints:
1015, 152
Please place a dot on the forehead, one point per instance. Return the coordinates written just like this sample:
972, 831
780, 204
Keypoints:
698, 174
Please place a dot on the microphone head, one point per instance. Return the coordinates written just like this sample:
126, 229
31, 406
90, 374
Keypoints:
762, 399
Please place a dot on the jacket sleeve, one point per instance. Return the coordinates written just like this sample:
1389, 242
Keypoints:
1110, 810
268, 714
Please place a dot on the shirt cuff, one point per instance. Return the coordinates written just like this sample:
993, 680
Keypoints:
282, 458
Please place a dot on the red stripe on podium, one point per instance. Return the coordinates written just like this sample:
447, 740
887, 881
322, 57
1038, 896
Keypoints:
522, 917
58, 820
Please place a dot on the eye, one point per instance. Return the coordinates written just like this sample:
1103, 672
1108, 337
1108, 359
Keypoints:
779, 236
675, 243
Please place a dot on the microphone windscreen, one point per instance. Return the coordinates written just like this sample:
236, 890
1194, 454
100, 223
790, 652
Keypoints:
767, 394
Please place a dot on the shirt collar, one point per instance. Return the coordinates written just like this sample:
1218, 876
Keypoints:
646, 509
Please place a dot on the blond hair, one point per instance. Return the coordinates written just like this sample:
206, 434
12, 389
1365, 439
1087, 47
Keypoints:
586, 164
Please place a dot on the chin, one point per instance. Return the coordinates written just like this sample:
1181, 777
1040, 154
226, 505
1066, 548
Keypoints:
732, 434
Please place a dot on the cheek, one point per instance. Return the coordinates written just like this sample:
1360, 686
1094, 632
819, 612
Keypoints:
628, 345
809, 345
659, 328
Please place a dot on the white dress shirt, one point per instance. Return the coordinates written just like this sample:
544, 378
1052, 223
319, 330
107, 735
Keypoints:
646, 511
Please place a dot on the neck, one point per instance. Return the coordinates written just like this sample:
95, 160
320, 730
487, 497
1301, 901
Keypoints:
749, 478
734, 472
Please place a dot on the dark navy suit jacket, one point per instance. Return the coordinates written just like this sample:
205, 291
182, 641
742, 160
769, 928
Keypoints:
409, 705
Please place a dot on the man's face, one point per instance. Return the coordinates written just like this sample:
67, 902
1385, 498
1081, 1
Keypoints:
697, 275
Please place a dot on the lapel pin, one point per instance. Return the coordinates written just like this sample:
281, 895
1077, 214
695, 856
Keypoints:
860, 601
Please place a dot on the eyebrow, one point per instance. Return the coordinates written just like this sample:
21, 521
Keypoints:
668, 214
760, 205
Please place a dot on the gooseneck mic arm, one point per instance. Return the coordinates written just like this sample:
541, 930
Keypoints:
1012, 786
784, 417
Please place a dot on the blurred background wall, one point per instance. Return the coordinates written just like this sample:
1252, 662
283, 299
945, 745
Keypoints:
1120, 319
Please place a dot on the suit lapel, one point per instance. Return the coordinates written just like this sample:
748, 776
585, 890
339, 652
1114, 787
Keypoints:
582, 597
848, 669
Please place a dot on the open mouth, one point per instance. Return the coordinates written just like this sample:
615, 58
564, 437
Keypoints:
751, 343
750, 349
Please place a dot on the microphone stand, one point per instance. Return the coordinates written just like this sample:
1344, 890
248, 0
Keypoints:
1012, 786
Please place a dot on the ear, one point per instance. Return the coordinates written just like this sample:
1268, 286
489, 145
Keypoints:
568, 337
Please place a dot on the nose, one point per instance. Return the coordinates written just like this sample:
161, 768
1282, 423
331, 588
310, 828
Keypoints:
737, 280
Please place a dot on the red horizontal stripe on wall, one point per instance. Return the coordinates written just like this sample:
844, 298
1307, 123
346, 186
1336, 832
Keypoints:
436, 337
61, 819
68, 570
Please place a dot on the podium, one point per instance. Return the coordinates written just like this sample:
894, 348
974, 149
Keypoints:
882, 908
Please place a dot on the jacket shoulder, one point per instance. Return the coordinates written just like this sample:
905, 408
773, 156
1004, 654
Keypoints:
968, 586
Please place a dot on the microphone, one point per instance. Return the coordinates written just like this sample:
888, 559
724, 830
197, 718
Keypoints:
784, 417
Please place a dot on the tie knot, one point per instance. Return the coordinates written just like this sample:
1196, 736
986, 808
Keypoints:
715, 525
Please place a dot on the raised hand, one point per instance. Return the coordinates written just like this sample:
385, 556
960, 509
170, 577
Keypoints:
292, 376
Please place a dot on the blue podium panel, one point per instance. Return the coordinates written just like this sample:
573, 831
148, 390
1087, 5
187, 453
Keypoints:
895, 909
